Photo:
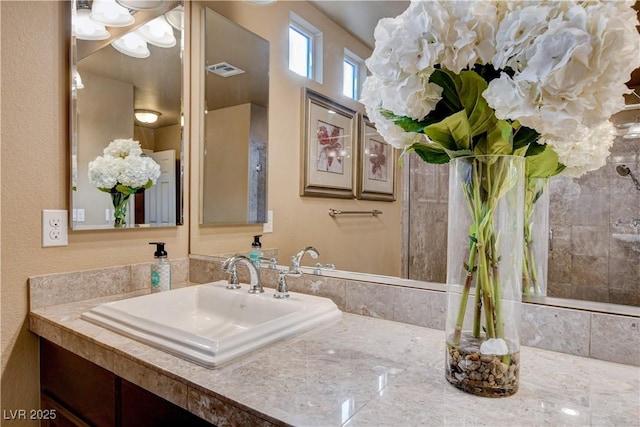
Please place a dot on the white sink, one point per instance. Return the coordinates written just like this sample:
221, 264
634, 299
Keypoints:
209, 324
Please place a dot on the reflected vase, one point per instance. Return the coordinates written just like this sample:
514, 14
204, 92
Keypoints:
484, 274
536, 237
120, 202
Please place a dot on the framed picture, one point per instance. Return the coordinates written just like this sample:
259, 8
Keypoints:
376, 165
327, 147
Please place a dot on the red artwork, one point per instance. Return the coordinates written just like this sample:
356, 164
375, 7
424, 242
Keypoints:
329, 148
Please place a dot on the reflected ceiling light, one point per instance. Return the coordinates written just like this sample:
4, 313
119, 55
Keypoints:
158, 32
111, 14
261, 2
77, 80
86, 29
140, 4
175, 17
133, 45
146, 116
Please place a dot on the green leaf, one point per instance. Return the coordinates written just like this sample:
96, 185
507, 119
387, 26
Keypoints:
407, 123
430, 153
124, 189
451, 133
498, 140
450, 99
148, 184
542, 165
523, 136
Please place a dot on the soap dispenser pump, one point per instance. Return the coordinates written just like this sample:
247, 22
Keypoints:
161, 270
256, 250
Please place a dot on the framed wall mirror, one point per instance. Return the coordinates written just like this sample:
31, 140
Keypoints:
235, 136
367, 244
126, 83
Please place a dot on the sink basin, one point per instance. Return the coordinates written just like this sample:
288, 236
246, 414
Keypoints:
209, 324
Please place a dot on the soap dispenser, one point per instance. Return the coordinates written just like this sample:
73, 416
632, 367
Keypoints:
256, 251
161, 270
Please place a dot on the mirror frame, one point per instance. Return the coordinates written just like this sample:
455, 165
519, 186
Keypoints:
87, 47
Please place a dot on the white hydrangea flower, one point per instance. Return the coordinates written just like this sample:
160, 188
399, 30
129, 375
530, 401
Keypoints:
136, 171
123, 164
123, 148
371, 97
564, 66
585, 151
104, 171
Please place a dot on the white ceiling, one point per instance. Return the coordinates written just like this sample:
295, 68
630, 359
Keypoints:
360, 17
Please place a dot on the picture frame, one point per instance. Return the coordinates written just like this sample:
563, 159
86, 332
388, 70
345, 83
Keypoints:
329, 133
376, 165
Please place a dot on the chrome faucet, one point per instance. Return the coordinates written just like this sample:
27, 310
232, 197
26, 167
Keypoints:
282, 289
229, 266
296, 259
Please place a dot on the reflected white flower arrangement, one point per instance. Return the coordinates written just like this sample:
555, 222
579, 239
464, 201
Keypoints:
123, 168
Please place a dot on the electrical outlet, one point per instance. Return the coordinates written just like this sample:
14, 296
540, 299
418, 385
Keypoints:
54, 228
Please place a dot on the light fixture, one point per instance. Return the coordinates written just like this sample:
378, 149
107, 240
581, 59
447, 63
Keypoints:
175, 17
140, 4
158, 32
84, 28
146, 116
111, 14
133, 45
261, 2
77, 80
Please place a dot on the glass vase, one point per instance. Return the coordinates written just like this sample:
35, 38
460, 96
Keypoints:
120, 202
536, 237
484, 274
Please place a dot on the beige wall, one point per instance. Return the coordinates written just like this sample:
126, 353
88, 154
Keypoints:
360, 243
225, 164
35, 175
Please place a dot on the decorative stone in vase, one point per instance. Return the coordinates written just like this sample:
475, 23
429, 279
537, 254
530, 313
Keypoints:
484, 273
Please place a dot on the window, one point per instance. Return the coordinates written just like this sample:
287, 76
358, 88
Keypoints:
349, 79
353, 74
305, 48
300, 52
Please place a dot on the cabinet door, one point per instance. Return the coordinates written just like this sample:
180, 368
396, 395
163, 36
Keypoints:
143, 408
58, 415
86, 389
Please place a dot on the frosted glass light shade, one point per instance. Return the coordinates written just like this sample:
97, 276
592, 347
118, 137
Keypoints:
133, 45
158, 32
84, 28
146, 116
110, 14
175, 17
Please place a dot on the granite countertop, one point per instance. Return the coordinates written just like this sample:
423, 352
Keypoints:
358, 371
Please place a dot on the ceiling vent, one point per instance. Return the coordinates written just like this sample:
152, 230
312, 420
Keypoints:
224, 69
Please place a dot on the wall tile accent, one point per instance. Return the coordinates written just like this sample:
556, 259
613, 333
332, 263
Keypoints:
60, 288
615, 338
556, 329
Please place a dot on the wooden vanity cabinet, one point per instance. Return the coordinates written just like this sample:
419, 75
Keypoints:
81, 393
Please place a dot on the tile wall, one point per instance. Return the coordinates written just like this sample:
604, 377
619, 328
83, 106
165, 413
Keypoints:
594, 220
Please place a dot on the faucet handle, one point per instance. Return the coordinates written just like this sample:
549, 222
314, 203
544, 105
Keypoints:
273, 262
319, 267
282, 290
